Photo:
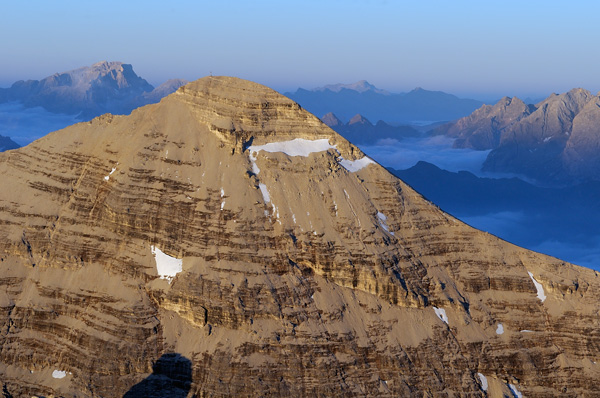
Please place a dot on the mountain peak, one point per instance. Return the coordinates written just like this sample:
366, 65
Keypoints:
107, 65
331, 120
359, 119
251, 263
88, 91
360, 86
241, 112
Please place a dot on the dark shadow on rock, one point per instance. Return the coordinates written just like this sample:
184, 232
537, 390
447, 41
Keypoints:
171, 377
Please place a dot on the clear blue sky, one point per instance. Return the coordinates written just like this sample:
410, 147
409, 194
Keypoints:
478, 48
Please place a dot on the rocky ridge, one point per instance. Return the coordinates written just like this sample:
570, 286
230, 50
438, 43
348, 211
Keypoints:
553, 141
232, 231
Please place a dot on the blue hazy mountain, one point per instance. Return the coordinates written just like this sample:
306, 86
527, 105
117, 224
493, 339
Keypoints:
105, 87
6, 143
359, 130
416, 106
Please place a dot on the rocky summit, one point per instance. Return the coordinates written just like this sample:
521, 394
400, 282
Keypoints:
225, 242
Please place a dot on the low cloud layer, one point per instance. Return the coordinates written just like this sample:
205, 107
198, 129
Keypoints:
25, 125
527, 231
436, 150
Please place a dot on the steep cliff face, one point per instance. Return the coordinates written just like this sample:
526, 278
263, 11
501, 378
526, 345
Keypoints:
229, 229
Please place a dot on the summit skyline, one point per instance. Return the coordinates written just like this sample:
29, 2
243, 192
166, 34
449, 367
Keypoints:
471, 49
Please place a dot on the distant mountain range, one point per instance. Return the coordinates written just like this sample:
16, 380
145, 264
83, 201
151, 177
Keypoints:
359, 130
556, 140
360, 86
105, 87
418, 106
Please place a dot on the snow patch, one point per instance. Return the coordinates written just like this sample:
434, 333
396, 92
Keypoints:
296, 147
382, 222
526, 331
265, 192
500, 329
441, 313
59, 374
109, 174
166, 266
252, 157
483, 380
356, 165
540, 289
304, 147
515, 391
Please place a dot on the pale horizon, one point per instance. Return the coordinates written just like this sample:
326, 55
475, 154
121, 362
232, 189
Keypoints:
470, 49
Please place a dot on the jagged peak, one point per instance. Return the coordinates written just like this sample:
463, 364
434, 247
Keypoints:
331, 120
107, 64
511, 102
359, 119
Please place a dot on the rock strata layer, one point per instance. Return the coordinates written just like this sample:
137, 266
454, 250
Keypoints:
227, 242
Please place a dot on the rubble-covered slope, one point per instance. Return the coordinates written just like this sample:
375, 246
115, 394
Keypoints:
231, 243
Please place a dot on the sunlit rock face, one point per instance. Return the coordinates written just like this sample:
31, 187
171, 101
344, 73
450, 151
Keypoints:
227, 242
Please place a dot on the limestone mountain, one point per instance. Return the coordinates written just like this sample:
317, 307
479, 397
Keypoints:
226, 242
89, 91
555, 140
483, 128
360, 130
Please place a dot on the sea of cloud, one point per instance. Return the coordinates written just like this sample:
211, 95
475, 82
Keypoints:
25, 125
527, 231
403, 154
539, 232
